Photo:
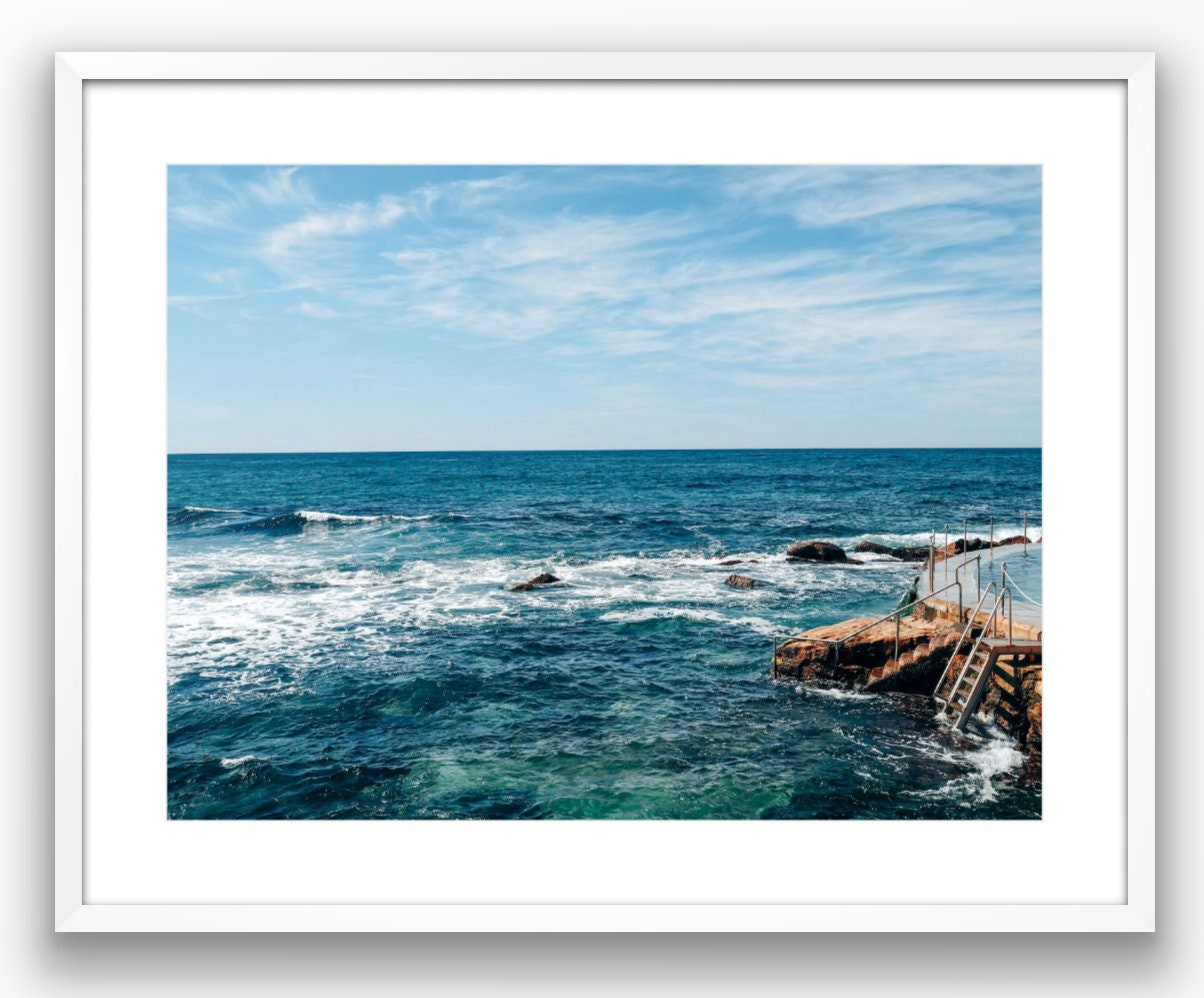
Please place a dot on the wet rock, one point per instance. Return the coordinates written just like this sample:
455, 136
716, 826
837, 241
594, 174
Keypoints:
1013, 701
732, 561
866, 659
743, 582
902, 553
959, 546
816, 551
874, 657
543, 579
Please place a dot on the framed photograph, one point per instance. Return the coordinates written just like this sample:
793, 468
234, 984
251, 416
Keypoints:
604, 491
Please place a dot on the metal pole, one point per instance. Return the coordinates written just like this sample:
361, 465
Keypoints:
946, 552
965, 541
1003, 583
992, 548
1026, 535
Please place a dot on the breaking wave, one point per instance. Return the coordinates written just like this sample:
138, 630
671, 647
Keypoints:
342, 639
237, 521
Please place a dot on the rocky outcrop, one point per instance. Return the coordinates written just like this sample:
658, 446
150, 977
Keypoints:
959, 546
865, 659
919, 552
855, 655
976, 544
902, 553
1031, 736
543, 579
742, 582
872, 547
816, 551
1013, 702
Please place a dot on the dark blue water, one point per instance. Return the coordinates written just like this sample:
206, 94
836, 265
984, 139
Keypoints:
342, 642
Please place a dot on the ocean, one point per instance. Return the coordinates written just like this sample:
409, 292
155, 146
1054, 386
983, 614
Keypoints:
342, 641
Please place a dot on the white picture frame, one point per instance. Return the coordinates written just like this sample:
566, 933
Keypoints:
74, 911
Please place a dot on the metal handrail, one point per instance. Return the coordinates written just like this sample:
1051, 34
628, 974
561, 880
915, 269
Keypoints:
896, 610
837, 642
974, 651
957, 647
990, 543
896, 614
1004, 596
977, 561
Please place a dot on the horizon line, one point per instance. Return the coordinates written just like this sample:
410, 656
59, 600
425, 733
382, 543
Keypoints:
588, 450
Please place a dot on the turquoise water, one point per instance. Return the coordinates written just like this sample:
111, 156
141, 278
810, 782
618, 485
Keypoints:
342, 642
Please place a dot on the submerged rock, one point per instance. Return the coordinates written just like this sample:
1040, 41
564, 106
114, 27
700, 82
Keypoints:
911, 553
743, 582
732, 561
816, 551
543, 579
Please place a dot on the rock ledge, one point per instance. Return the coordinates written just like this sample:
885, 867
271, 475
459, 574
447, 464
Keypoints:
816, 551
543, 579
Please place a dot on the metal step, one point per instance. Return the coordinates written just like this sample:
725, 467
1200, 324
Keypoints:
967, 684
979, 667
980, 685
964, 686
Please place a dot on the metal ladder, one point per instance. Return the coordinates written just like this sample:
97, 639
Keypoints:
976, 673
970, 620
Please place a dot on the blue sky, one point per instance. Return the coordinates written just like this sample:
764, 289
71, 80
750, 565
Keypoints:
320, 308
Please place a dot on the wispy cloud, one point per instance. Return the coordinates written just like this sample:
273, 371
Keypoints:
281, 186
781, 281
205, 198
830, 196
315, 310
282, 244
194, 302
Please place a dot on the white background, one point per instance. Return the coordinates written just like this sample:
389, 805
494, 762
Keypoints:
1075, 855
37, 963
